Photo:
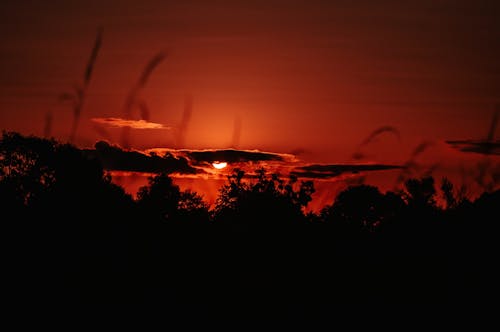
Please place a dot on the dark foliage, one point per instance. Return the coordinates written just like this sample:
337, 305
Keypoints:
73, 239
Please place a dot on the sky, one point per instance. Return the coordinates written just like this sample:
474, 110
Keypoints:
309, 78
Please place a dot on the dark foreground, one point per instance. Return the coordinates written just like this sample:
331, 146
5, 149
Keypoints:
77, 246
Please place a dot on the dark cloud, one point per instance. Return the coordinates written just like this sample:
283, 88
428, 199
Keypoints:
235, 156
116, 159
317, 171
489, 146
476, 146
196, 161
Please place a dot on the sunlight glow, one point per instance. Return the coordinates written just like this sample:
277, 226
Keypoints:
219, 165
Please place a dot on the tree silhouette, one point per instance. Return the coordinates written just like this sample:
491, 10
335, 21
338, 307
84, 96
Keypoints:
161, 197
247, 205
76, 238
73, 225
192, 207
26, 166
420, 193
448, 195
362, 208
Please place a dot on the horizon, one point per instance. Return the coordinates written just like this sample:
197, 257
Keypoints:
200, 171
329, 83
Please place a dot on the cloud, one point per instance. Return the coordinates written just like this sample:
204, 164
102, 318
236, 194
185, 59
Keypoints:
489, 146
317, 171
476, 146
235, 156
116, 159
246, 160
199, 162
135, 124
184, 162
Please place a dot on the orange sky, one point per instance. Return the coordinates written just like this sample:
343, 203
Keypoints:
318, 76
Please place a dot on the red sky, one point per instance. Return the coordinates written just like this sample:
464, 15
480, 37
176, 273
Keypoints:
312, 75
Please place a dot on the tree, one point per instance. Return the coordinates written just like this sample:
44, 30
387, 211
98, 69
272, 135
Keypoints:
73, 224
361, 208
160, 197
448, 195
420, 193
192, 208
248, 204
26, 167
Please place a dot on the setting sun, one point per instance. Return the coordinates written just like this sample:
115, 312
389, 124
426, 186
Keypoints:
364, 134
219, 165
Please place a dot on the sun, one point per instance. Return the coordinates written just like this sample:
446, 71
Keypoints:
219, 165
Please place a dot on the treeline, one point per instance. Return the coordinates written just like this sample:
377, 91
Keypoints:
74, 238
